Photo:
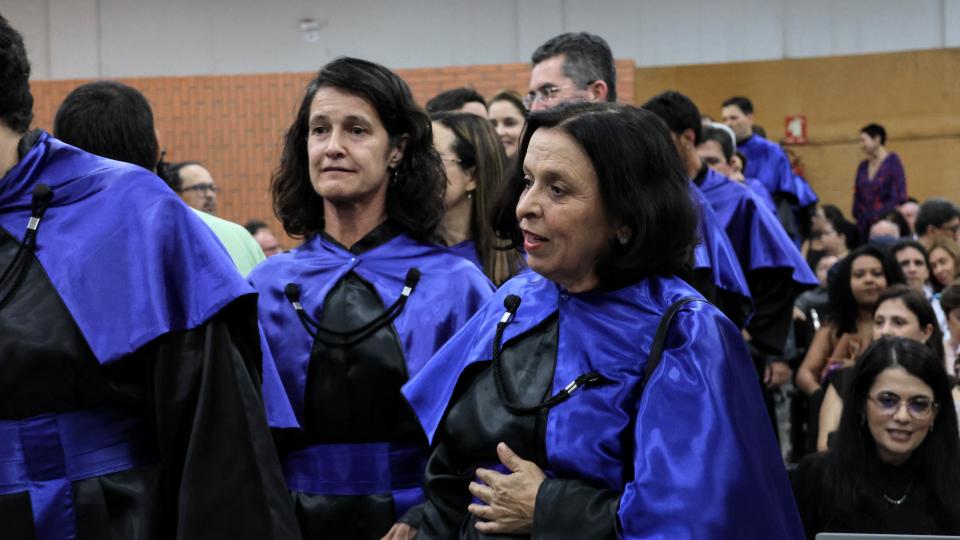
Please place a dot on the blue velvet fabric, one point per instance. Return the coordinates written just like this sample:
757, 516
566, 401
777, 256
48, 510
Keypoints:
755, 233
468, 250
449, 292
768, 163
129, 259
715, 252
693, 458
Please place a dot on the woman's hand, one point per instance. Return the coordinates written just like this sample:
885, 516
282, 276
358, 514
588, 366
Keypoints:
510, 498
400, 531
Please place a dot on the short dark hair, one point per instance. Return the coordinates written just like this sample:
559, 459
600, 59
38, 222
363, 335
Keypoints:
742, 103
109, 119
905, 243
643, 186
414, 199
901, 222
874, 131
16, 101
843, 308
743, 158
835, 216
453, 100
679, 112
935, 212
255, 225
170, 173
918, 304
586, 58
950, 299
721, 137
854, 454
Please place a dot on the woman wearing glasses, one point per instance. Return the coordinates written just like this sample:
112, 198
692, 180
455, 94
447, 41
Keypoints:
474, 161
362, 305
893, 468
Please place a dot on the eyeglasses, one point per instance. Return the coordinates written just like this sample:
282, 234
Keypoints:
950, 228
202, 188
919, 407
545, 93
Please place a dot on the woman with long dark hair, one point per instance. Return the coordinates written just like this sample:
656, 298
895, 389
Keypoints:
900, 311
853, 289
475, 165
366, 300
893, 467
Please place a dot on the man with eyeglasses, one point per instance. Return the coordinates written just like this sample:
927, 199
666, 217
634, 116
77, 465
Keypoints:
195, 185
571, 67
937, 218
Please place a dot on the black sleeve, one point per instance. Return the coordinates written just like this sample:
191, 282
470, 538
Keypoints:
219, 465
447, 494
574, 509
773, 292
808, 490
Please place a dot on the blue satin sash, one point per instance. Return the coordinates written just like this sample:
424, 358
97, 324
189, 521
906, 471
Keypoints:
359, 469
43, 454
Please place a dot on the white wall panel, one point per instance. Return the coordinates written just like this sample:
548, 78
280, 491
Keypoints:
114, 38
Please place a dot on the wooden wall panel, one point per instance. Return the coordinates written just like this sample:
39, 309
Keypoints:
915, 95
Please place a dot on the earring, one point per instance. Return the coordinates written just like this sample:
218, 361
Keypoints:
394, 177
623, 238
470, 195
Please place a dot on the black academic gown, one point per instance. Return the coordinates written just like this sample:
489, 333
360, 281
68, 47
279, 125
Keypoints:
200, 461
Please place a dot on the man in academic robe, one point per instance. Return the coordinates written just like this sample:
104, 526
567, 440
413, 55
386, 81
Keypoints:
130, 363
774, 268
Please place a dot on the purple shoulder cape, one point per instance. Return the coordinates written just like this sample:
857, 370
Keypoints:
129, 259
693, 457
450, 290
755, 233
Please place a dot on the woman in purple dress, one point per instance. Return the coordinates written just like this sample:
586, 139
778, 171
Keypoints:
881, 183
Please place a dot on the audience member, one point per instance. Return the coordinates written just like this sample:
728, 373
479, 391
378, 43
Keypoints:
884, 231
475, 162
913, 260
571, 67
264, 236
944, 262
363, 303
854, 288
900, 311
507, 115
194, 183
716, 149
458, 100
880, 184
130, 401
909, 210
893, 466
950, 303
937, 218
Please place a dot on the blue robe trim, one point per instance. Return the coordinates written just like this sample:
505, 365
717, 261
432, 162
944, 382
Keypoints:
318, 265
768, 163
755, 233
715, 252
127, 256
42, 455
695, 457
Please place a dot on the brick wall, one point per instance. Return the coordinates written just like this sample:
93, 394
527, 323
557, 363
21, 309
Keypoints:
234, 124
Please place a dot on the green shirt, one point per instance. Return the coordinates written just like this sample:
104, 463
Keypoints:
241, 246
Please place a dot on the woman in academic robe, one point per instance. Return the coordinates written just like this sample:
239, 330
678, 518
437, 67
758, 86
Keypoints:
363, 304
599, 396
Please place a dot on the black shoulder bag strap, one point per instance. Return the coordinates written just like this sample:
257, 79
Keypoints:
656, 350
